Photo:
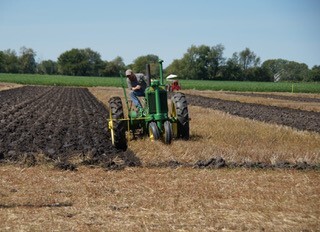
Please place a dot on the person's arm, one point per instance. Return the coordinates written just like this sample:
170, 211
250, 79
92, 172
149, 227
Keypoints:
136, 87
130, 86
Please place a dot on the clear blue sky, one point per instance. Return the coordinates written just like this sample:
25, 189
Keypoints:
288, 29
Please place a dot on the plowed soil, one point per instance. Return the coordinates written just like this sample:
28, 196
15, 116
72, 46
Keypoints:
277, 96
55, 124
299, 119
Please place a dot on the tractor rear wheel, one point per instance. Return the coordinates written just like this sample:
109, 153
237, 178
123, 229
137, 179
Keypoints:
117, 126
167, 132
179, 111
154, 133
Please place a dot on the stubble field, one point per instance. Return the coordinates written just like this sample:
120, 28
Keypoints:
252, 163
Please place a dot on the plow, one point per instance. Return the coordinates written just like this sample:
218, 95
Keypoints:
161, 118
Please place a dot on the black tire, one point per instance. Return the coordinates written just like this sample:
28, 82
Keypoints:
167, 132
116, 126
179, 110
154, 133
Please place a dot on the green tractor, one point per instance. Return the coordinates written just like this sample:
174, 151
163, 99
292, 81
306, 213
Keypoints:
156, 120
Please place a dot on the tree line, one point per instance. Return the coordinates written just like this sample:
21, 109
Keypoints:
199, 63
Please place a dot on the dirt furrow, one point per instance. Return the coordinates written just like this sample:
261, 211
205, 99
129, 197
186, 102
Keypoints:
276, 96
299, 119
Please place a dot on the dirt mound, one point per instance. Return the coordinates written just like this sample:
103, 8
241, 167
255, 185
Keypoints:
219, 162
55, 124
299, 119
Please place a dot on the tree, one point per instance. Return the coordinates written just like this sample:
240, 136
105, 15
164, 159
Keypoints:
200, 62
2, 64
274, 68
9, 61
80, 62
285, 70
139, 64
243, 66
27, 62
69, 62
215, 61
248, 59
174, 68
297, 71
315, 73
95, 64
232, 70
256, 74
113, 67
47, 67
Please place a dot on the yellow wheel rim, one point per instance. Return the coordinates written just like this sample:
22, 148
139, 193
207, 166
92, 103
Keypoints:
174, 124
111, 127
151, 134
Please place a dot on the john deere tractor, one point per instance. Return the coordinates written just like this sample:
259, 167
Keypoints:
156, 119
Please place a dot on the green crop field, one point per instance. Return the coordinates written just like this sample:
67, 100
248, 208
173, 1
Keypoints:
30, 79
302, 87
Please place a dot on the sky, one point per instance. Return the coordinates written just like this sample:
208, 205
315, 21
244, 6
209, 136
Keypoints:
272, 29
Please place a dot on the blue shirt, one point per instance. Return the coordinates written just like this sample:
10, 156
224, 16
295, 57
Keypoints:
141, 80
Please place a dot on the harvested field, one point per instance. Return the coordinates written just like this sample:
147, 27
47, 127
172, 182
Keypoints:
4, 86
142, 199
40, 124
298, 101
234, 173
59, 124
299, 119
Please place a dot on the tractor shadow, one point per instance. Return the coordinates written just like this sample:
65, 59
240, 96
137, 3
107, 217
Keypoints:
122, 160
131, 160
196, 137
112, 160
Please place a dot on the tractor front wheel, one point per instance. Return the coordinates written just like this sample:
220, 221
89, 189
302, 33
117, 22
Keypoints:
117, 125
167, 132
154, 133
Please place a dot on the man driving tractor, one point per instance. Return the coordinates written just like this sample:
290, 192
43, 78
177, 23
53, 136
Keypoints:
137, 84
